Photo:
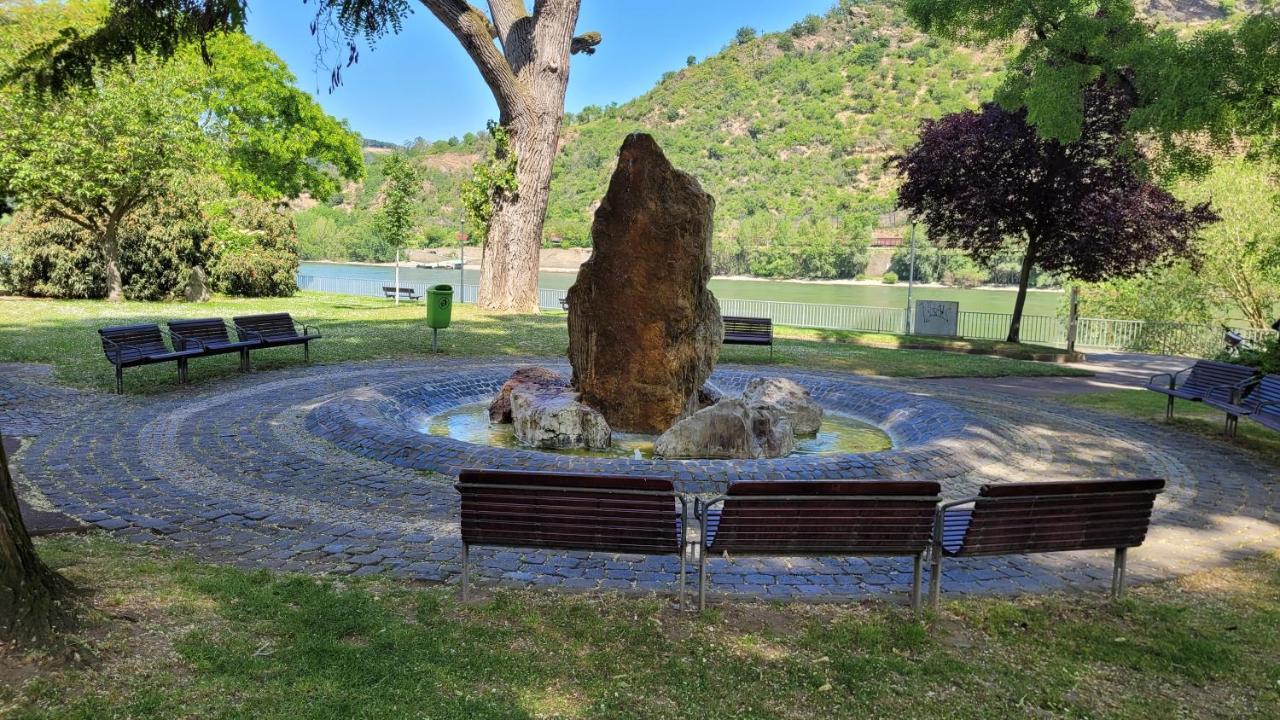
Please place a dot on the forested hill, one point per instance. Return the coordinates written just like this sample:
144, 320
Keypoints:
789, 131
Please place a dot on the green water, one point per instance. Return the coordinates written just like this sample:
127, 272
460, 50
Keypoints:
1039, 302
470, 423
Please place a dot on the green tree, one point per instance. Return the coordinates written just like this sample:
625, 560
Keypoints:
1219, 81
1240, 254
527, 71
400, 190
96, 154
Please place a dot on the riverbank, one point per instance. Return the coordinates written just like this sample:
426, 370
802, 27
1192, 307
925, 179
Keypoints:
554, 261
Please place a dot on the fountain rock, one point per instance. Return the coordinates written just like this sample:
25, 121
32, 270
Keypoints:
529, 376
787, 397
644, 329
553, 419
730, 429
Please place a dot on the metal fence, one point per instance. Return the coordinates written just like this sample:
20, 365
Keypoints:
1091, 333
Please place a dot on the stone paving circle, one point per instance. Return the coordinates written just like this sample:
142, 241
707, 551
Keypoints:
319, 469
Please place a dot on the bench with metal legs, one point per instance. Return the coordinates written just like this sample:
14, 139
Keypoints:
1038, 517
590, 513
836, 518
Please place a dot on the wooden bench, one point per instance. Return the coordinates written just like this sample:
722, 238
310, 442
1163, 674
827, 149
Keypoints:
748, 331
1039, 517
134, 345
1204, 379
276, 330
392, 292
1262, 405
840, 518
210, 336
594, 513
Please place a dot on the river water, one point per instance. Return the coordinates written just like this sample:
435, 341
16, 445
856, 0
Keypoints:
1039, 302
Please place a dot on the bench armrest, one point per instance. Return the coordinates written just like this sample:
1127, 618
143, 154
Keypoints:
187, 341
306, 329
243, 331
118, 348
939, 520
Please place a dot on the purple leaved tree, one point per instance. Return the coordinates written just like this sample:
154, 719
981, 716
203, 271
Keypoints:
983, 181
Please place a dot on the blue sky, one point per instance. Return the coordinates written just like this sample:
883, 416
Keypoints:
421, 83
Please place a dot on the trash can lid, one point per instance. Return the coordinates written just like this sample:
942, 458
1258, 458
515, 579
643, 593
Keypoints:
441, 288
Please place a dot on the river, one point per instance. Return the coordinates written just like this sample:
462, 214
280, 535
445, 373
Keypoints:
1039, 302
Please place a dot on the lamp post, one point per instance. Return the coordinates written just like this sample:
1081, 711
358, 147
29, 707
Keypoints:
397, 275
911, 277
462, 264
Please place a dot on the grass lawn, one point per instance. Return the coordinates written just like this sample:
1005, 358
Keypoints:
1189, 416
62, 332
180, 639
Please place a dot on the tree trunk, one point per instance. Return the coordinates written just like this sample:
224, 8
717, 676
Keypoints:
536, 50
111, 251
1024, 279
34, 605
509, 260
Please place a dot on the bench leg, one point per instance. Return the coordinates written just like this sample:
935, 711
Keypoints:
306, 352
1117, 574
917, 569
702, 576
244, 360
1168, 409
182, 372
935, 578
119, 380
466, 572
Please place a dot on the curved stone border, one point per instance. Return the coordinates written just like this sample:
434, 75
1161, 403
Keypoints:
932, 439
234, 471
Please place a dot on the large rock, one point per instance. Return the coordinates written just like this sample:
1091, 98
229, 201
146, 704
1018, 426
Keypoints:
532, 376
644, 330
730, 429
553, 419
787, 397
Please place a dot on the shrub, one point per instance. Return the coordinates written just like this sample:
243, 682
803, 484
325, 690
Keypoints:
255, 251
1265, 357
889, 278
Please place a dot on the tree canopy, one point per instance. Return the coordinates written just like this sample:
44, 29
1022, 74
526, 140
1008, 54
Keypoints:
1220, 82
980, 180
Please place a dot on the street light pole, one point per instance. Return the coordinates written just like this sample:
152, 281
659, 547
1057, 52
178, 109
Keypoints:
397, 275
911, 278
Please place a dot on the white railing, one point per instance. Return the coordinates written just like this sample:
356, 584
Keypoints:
1091, 333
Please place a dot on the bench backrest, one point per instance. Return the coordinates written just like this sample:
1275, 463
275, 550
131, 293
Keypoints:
837, 517
392, 290
203, 329
747, 327
1207, 377
127, 343
270, 325
1267, 391
1016, 518
576, 512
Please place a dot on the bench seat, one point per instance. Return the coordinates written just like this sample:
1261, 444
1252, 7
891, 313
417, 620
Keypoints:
1206, 379
210, 336
391, 291
589, 513
276, 330
1261, 405
831, 518
748, 331
1039, 517
135, 345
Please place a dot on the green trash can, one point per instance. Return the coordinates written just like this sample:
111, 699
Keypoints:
439, 310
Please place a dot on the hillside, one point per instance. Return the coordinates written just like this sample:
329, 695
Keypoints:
789, 131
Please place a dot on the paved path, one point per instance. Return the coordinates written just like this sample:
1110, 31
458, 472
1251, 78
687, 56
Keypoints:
228, 471
1112, 371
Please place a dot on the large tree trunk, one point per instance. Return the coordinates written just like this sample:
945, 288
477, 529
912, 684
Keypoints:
509, 264
111, 251
34, 604
1024, 279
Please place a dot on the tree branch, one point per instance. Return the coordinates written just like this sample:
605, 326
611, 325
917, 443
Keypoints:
73, 218
506, 14
475, 32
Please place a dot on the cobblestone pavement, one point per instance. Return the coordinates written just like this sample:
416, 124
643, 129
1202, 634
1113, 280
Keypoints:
253, 471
